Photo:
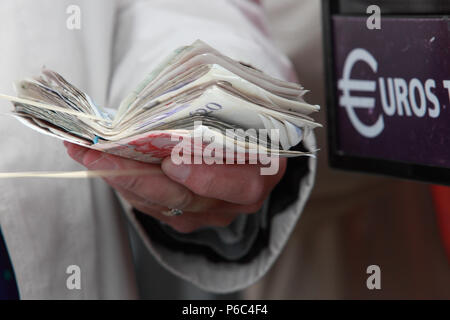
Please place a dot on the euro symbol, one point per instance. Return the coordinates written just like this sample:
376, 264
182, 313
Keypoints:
346, 84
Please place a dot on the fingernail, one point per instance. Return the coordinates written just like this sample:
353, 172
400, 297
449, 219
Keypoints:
177, 172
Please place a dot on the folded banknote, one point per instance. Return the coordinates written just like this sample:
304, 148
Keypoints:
195, 91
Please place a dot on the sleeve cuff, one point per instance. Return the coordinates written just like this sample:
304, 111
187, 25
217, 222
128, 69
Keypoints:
228, 259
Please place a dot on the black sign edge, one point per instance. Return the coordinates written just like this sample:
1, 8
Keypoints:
396, 169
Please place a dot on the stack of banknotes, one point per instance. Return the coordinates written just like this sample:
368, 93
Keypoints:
197, 92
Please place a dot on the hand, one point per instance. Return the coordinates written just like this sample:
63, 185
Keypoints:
209, 195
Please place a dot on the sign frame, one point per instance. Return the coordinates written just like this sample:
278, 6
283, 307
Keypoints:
338, 159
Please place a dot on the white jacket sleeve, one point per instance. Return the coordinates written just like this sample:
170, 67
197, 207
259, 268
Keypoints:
148, 31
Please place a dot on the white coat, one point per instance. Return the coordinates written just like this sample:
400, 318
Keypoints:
51, 224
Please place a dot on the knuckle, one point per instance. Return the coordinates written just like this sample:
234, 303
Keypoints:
128, 183
182, 200
204, 186
157, 194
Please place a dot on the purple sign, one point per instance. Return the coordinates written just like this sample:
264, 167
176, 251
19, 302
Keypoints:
393, 89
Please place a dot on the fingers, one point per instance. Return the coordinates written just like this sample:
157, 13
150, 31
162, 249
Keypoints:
158, 189
198, 205
154, 186
137, 201
209, 195
236, 184
188, 222
239, 184
192, 221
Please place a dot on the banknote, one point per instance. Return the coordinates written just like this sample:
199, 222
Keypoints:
195, 87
